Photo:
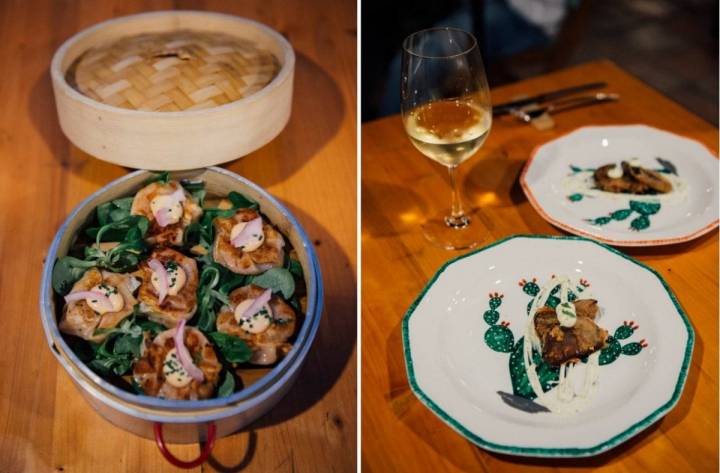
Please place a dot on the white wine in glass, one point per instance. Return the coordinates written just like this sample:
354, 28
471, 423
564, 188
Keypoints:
447, 114
448, 131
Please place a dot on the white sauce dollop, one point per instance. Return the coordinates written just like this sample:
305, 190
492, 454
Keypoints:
168, 204
112, 293
257, 323
615, 172
174, 372
176, 278
253, 243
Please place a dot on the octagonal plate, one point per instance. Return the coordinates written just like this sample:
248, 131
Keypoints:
454, 370
553, 171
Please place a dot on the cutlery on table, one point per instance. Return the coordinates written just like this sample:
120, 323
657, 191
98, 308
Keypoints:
563, 105
508, 107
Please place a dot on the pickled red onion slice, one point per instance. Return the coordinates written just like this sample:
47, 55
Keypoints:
159, 269
253, 227
257, 304
184, 355
80, 295
179, 194
163, 217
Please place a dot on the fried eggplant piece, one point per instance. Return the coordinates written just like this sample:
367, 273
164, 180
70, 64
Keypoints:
635, 180
652, 179
568, 344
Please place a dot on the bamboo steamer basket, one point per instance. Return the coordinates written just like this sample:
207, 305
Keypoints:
177, 421
173, 140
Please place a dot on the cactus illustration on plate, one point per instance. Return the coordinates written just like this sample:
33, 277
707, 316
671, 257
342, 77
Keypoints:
641, 222
499, 338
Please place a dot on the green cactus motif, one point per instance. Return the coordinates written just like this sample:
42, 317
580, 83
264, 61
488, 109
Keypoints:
576, 169
639, 223
614, 348
500, 338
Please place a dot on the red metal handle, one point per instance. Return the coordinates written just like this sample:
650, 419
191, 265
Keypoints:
204, 454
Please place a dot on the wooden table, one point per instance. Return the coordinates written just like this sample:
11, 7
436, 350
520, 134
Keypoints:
400, 186
311, 167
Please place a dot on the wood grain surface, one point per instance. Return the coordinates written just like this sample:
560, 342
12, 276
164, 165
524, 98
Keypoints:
400, 187
311, 167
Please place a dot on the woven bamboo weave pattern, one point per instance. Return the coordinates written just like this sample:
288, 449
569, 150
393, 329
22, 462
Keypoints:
171, 72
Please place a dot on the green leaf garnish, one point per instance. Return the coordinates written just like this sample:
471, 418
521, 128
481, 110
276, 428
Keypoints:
227, 387
233, 349
280, 280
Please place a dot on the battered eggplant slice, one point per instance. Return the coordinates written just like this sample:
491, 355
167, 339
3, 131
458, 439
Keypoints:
634, 180
159, 373
652, 179
169, 208
247, 259
568, 344
267, 333
84, 316
180, 301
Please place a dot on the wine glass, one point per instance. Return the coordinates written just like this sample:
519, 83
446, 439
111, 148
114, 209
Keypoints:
445, 106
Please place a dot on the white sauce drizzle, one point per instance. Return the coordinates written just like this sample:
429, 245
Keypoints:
564, 398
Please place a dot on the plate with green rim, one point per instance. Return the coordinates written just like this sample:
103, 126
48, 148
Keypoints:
558, 180
463, 339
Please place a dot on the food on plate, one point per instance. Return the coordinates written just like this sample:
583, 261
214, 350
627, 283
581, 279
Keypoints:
169, 208
245, 244
554, 365
98, 300
263, 320
631, 178
179, 363
168, 292
569, 341
565, 344
175, 292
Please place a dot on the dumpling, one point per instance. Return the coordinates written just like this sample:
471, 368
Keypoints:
258, 255
169, 208
266, 332
179, 300
98, 300
159, 373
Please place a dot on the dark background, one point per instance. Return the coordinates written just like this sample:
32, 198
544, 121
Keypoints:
670, 44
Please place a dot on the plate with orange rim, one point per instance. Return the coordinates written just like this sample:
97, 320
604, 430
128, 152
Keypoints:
558, 181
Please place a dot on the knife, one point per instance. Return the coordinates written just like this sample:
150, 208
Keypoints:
507, 107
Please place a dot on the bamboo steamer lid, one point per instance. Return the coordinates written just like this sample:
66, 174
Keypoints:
173, 71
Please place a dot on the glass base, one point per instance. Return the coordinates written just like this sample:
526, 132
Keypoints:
454, 233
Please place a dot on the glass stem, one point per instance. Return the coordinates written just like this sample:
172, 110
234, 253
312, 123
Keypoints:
457, 218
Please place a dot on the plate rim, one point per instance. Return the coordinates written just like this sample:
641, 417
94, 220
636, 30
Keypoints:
571, 229
568, 452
